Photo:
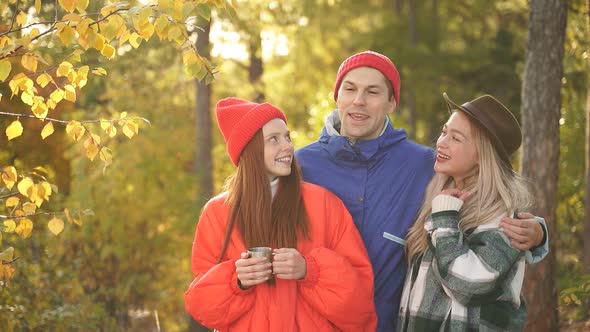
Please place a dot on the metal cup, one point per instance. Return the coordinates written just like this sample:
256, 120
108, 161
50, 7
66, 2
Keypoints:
261, 252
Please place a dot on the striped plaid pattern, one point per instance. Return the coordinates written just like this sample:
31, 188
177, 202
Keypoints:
464, 282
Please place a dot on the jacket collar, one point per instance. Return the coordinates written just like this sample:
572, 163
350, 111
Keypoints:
341, 148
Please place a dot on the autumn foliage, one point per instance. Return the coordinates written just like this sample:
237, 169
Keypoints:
38, 80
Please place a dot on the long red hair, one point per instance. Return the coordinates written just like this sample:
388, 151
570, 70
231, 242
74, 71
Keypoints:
262, 220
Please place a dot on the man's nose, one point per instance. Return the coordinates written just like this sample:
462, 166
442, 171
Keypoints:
359, 98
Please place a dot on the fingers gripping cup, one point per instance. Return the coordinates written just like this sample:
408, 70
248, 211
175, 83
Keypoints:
261, 252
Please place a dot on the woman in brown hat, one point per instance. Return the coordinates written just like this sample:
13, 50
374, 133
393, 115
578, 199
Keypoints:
464, 273
320, 278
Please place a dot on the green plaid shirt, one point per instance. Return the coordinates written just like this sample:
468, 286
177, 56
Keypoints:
464, 283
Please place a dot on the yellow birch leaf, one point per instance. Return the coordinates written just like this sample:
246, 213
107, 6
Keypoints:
130, 129
108, 51
70, 93
46, 189
82, 76
40, 194
5, 67
47, 130
24, 228
9, 226
9, 176
106, 156
66, 35
81, 5
99, 71
7, 255
64, 68
111, 27
34, 196
29, 208
6, 272
15, 129
98, 42
146, 31
55, 225
12, 201
174, 33
75, 56
27, 98
72, 17
21, 19
161, 25
123, 115
144, 15
68, 5
67, 214
19, 213
75, 130
106, 10
83, 71
164, 5
73, 76
24, 185
43, 79
51, 104
124, 37
91, 148
40, 110
83, 25
29, 62
38, 6
134, 40
108, 128
57, 95
14, 83
5, 41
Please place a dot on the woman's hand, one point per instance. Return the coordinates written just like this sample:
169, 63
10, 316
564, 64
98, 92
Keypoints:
251, 272
462, 195
288, 263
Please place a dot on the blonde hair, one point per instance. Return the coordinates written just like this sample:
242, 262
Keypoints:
495, 190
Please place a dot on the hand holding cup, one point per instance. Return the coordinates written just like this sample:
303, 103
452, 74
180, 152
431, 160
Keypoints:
254, 266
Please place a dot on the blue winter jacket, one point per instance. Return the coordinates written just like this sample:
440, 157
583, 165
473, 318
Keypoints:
382, 183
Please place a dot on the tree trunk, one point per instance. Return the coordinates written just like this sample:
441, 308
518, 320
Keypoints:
255, 70
410, 95
203, 164
433, 127
587, 174
541, 101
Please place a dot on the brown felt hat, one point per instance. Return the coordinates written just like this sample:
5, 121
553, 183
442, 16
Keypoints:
499, 123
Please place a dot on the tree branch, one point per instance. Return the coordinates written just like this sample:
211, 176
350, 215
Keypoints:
18, 115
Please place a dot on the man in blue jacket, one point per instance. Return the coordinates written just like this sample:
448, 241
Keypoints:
380, 175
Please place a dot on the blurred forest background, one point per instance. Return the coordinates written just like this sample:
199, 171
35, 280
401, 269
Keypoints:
109, 248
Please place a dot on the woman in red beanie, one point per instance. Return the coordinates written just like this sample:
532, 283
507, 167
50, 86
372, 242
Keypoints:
320, 278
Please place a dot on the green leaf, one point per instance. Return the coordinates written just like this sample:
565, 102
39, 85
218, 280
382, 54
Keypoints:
204, 11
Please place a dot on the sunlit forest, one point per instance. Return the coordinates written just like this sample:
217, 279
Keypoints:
109, 145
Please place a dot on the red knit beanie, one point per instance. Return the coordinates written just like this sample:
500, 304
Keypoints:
373, 60
239, 120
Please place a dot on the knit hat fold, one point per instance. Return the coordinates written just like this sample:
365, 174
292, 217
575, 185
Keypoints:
373, 60
239, 120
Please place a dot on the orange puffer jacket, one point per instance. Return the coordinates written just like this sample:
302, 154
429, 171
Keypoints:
335, 295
